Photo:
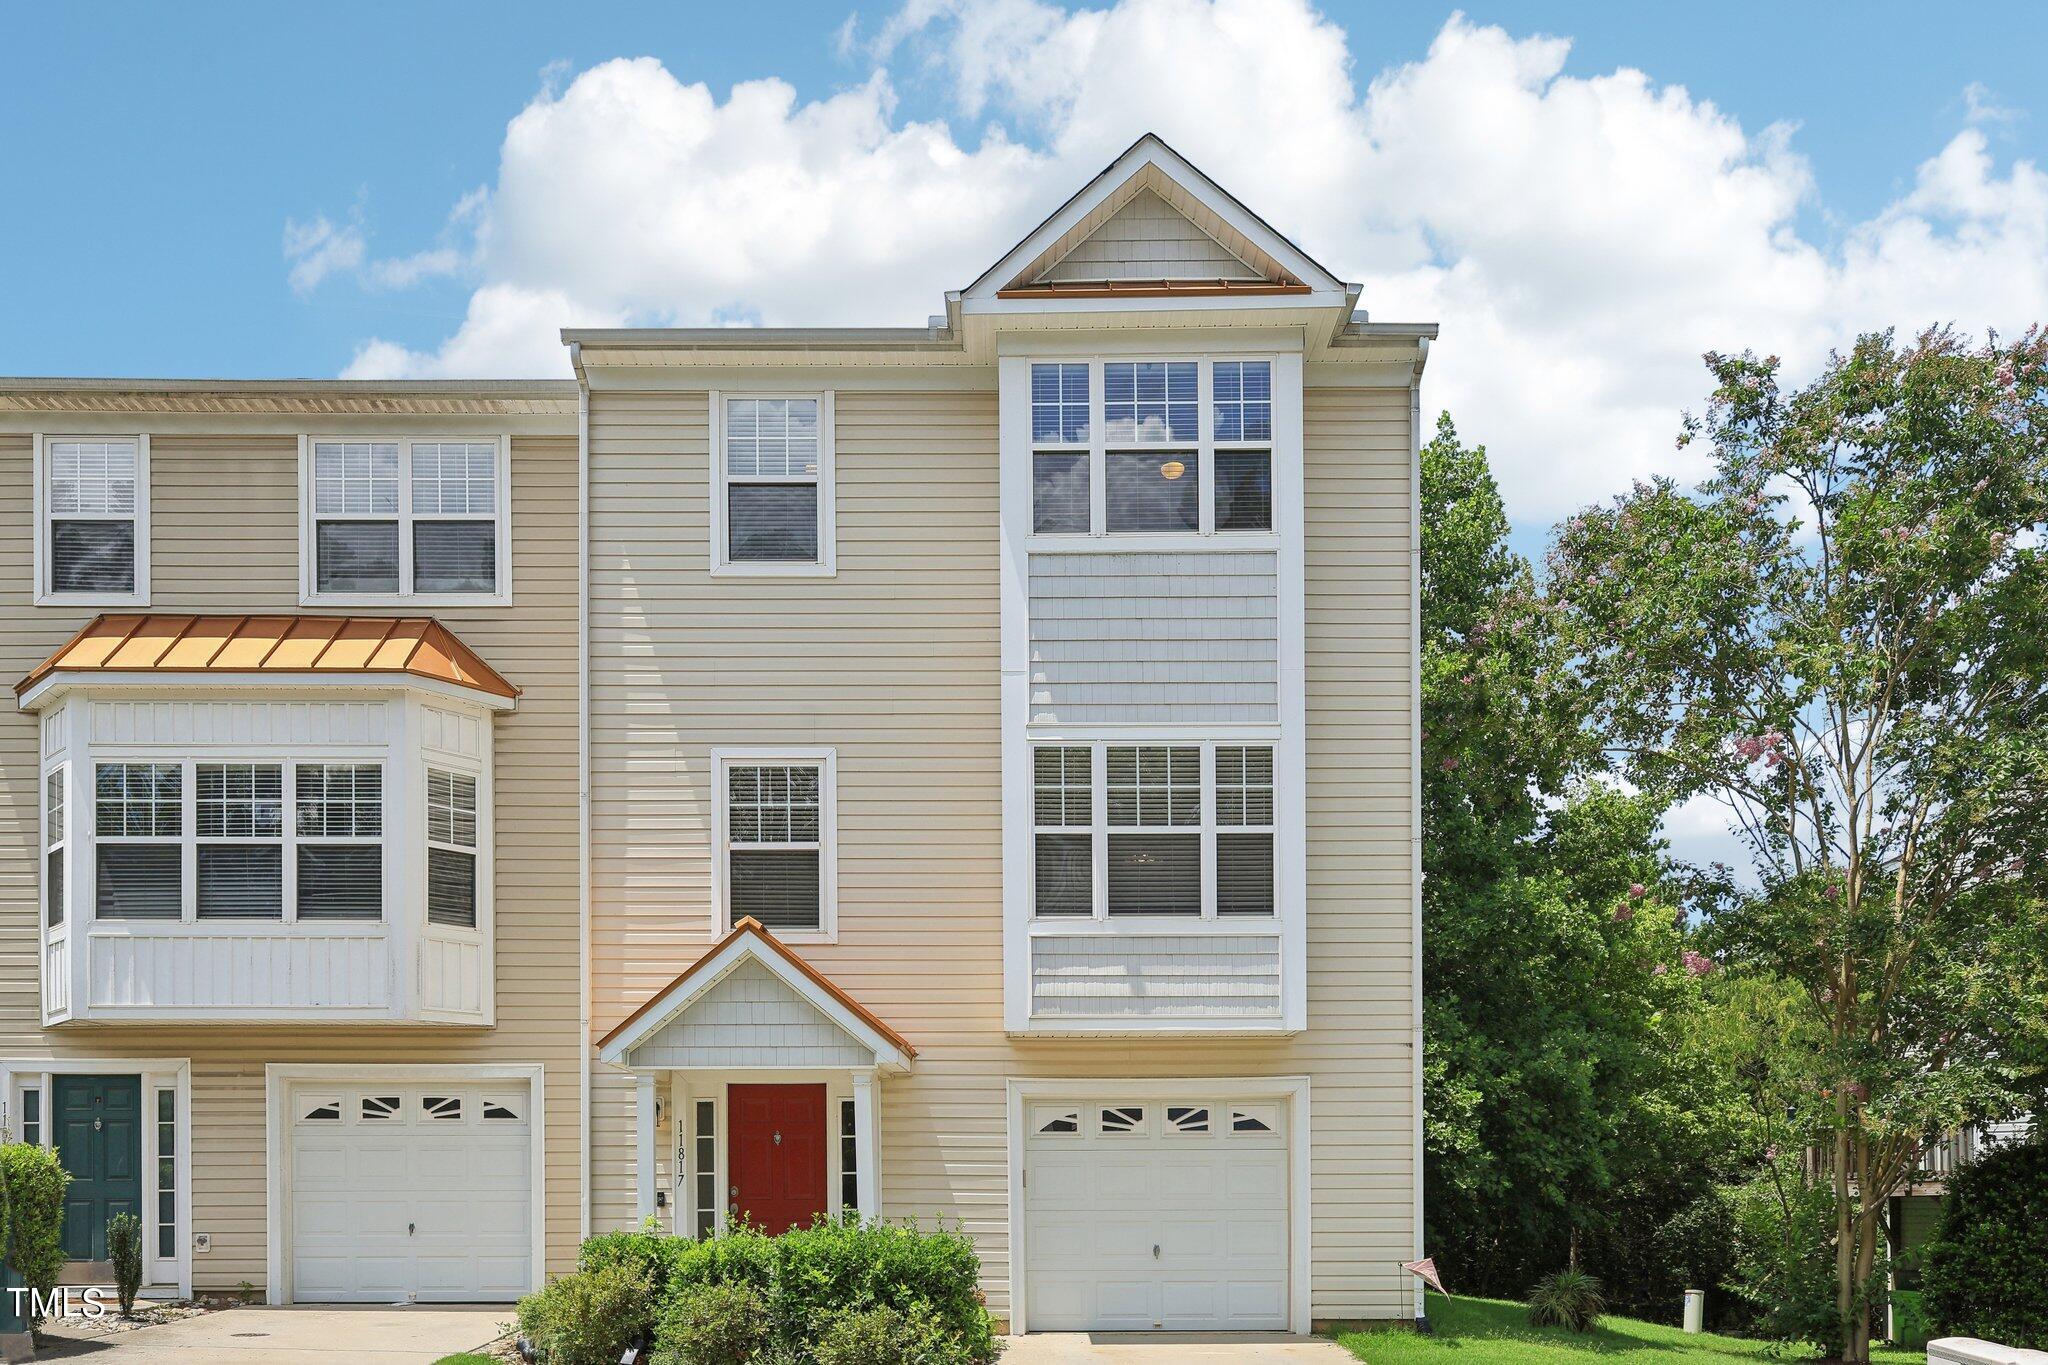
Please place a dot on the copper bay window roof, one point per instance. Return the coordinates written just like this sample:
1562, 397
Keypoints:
374, 648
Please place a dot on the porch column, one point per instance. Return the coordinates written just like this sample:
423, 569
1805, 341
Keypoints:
644, 1127
866, 1177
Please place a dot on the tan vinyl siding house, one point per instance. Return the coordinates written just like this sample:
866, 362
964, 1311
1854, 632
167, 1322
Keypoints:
224, 512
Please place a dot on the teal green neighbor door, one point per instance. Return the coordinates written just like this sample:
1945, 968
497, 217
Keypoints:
98, 1126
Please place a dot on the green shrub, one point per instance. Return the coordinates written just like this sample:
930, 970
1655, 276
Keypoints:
124, 1249
651, 1254
1566, 1298
35, 1183
1981, 1275
888, 1336
712, 1324
1785, 1258
1909, 1321
588, 1318
823, 1272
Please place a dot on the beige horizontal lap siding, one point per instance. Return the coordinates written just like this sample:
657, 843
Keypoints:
224, 529
894, 663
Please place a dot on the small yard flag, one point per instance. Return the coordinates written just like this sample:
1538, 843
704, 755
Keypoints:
1426, 1268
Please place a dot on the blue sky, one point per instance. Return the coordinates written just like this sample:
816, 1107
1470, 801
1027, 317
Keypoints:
154, 153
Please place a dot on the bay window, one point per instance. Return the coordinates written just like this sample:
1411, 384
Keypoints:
1150, 447
399, 520
1176, 829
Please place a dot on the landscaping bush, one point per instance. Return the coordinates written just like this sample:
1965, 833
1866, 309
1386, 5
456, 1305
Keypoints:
124, 1249
35, 1184
1982, 1274
887, 1336
650, 1253
1566, 1298
1785, 1259
712, 1324
588, 1318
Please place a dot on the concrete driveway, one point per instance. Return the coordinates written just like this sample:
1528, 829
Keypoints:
296, 1336
1169, 1348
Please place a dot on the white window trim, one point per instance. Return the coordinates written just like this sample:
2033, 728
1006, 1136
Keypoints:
827, 761
1099, 537
282, 1079
1100, 830
827, 563
1291, 1091
39, 495
157, 1073
309, 577
289, 841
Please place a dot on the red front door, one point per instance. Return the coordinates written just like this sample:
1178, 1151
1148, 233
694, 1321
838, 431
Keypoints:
775, 1135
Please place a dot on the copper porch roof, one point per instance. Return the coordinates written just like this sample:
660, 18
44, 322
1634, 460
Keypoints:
416, 646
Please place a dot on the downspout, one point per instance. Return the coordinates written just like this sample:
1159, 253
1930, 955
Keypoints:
583, 776
1415, 784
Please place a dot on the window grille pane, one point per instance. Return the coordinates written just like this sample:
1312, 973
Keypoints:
1244, 784
778, 887
773, 437
239, 800
341, 882
1150, 401
1061, 784
453, 477
356, 556
53, 886
53, 806
137, 881
704, 1136
1154, 785
772, 805
1244, 490
849, 1158
1064, 880
772, 523
139, 800
1152, 492
355, 478
1244, 874
241, 881
1059, 492
92, 556
32, 1116
1059, 403
340, 800
1155, 874
451, 808
92, 478
1243, 400
455, 556
451, 888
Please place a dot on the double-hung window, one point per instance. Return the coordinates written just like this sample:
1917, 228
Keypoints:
1150, 829
451, 849
776, 814
772, 484
53, 846
92, 547
207, 840
1150, 447
398, 521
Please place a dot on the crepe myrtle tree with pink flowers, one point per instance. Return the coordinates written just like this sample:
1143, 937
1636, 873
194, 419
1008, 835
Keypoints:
1842, 634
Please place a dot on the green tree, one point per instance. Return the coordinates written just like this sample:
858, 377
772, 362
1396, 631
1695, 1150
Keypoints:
1560, 1113
1843, 634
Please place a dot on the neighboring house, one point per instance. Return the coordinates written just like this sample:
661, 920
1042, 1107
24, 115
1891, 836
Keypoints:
1003, 754
291, 881
973, 780
1915, 1210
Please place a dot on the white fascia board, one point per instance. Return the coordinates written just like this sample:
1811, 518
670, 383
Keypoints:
685, 993
61, 684
1126, 303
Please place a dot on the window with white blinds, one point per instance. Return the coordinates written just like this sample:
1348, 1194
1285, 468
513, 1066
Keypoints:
53, 846
772, 482
776, 814
1150, 447
210, 840
93, 543
405, 520
1132, 830
451, 849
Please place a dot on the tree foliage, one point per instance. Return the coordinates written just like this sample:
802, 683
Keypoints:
1843, 634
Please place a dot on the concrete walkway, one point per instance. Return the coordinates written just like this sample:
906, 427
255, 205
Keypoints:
1170, 1348
296, 1336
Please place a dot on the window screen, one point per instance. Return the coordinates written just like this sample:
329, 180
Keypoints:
1244, 839
139, 826
240, 812
1150, 401
774, 844
91, 498
1063, 809
773, 452
340, 826
378, 504
451, 851
1155, 792
1148, 491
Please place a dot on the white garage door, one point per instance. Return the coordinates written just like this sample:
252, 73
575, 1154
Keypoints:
1146, 1214
411, 1192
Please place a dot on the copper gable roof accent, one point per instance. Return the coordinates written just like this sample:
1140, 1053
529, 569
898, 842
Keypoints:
329, 646
749, 926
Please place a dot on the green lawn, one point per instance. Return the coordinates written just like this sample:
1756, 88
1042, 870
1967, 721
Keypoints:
1490, 1332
